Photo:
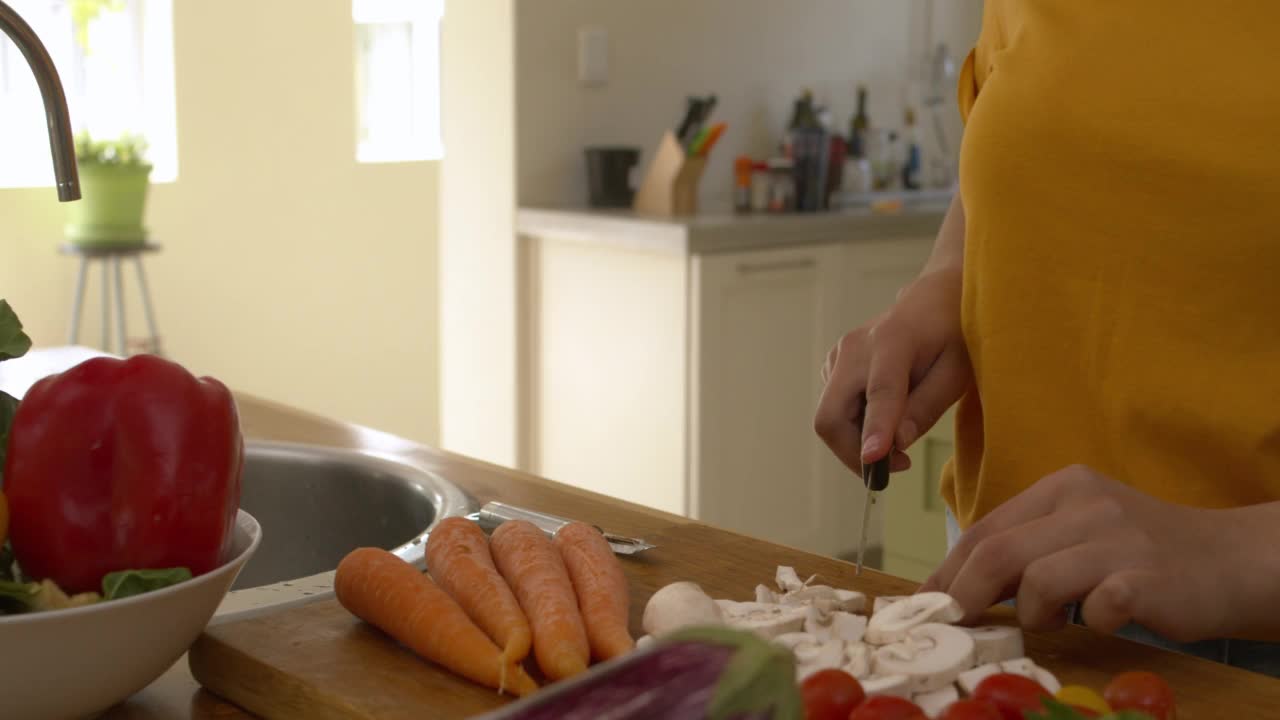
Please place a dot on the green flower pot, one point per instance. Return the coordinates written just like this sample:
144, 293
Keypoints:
110, 209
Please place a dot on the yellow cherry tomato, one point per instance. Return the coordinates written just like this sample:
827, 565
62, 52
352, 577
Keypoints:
1083, 697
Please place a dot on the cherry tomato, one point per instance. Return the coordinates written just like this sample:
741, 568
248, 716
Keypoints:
1085, 698
971, 710
1012, 694
830, 695
1143, 691
887, 707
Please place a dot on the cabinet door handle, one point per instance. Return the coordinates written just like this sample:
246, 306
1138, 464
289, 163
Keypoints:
747, 268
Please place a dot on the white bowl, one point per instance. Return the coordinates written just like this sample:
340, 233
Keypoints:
77, 663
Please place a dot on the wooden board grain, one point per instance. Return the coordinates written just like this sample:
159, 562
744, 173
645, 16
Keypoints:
319, 662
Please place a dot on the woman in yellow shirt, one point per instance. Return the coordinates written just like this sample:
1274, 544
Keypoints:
1103, 303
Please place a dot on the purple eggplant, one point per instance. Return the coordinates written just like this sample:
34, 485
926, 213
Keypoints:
710, 673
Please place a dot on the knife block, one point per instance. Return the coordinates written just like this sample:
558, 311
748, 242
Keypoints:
670, 186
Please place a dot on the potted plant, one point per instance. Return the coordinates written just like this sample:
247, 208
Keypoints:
114, 178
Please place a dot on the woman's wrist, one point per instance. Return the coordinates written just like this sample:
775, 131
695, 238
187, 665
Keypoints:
1249, 570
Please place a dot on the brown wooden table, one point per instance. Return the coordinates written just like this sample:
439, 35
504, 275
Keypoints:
726, 564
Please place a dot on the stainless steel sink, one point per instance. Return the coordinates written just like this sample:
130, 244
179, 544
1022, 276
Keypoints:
316, 504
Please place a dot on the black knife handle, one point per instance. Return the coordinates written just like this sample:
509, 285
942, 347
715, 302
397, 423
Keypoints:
876, 475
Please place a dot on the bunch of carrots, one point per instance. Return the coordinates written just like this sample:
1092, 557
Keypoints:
489, 601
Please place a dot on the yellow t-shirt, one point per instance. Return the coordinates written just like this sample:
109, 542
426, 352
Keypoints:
1121, 179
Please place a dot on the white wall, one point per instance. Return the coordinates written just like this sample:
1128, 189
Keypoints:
289, 271
477, 243
755, 55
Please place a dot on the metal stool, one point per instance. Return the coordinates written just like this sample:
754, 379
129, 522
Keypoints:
111, 257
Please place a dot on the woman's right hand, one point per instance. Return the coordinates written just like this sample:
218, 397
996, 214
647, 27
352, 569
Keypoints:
890, 380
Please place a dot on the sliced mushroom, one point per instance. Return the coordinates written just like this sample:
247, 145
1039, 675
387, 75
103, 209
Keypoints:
765, 595
899, 685
1023, 666
1027, 667
885, 601
857, 659
822, 597
891, 624
679, 605
1047, 680
934, 702
644, 641
850, 601
810, 658
792, 640
996, 643
837, 625
932, 655
764, 619
969, 679
787, 579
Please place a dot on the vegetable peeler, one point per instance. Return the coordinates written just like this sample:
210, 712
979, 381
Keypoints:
493, 514
876, 477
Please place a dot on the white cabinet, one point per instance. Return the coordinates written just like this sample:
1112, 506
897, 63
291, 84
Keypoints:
762, 324
688, 381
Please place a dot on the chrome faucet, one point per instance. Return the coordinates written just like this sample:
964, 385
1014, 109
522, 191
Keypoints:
61, 142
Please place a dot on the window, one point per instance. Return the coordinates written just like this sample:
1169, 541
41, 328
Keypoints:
117, 72
397, 79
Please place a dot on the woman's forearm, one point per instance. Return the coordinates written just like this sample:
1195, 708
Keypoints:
948, 249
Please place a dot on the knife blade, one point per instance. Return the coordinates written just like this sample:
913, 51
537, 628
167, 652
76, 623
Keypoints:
495, 513
876, 478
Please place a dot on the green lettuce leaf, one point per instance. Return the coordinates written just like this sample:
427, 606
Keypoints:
127, 583
14, 343
16, 597
760, 676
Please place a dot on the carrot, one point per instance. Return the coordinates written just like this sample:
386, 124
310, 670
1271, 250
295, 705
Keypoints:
459, 561
601, 588
535, 571
390, 594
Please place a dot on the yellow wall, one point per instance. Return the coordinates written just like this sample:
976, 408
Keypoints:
477, 231
289, 270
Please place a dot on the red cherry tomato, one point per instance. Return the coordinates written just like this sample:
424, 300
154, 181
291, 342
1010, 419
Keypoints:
887, 707
1143, 691
971, 710
1012, 694
830, 695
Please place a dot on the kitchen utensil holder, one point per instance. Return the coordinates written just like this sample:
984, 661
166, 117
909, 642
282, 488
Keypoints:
670, 186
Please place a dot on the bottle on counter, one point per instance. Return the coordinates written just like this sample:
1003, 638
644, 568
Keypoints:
911, 163
859, 125
760, 190
782, 185
885, 165
742, 172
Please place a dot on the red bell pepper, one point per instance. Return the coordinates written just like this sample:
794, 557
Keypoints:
122, 465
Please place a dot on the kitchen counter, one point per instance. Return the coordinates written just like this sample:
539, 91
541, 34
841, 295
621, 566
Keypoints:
727, 565
712, 233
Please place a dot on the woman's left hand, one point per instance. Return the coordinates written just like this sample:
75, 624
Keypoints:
1185, 573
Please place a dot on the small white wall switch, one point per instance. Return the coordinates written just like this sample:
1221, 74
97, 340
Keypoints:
593, 56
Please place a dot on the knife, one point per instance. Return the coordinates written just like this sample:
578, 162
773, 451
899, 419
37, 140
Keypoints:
495, 513
876, 478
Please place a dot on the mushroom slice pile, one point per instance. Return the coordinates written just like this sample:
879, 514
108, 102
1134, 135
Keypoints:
969, 679
836, 625
996, 643
932, 655
857, 657
899, 685
679, 605
892, 623
768, 620
885, 601
1027, 668
934, 702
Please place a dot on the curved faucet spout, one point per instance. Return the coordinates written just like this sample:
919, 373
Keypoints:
61, 142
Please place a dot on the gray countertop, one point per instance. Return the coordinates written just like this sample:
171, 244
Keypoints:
726, 232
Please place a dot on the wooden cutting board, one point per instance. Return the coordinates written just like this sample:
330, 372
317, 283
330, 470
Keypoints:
318, 662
